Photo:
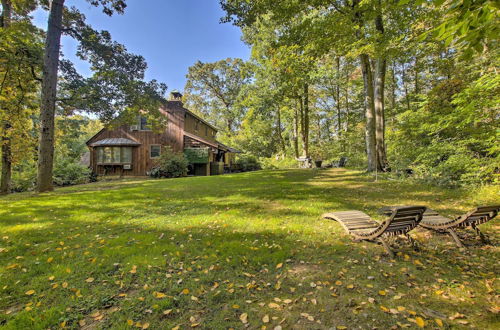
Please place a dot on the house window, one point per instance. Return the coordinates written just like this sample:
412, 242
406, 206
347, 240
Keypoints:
155, 151
126, 155
114, 155
143, 124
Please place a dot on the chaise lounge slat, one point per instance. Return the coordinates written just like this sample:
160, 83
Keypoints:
433, 221
362, 227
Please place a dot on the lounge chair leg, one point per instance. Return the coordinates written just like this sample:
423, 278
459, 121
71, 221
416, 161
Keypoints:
386, 247
455, 237
413, 242
482, 236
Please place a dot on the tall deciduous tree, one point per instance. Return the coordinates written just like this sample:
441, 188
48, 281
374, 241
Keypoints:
20, 51
115, 86
214, 89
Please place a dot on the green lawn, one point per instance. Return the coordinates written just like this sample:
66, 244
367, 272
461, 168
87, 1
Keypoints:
240, 250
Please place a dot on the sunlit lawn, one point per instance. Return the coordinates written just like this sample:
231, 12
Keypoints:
240, 250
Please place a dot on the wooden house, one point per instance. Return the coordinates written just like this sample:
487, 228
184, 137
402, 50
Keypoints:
133, 149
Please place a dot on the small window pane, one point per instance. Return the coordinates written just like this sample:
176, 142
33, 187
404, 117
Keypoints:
107, 155
116, 155
144, 124
100, 155
155, 151
127, 155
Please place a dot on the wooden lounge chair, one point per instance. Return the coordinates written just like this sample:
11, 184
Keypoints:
401, 220
432, 220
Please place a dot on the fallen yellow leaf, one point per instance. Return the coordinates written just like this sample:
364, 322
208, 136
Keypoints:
420, 322
159, 295
30, 292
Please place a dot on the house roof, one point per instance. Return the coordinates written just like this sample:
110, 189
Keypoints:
115, 142
201, 119
230, 149
196, 137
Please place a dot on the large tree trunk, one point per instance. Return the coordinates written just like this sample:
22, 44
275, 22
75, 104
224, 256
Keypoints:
305, 121
417, 84
337, 100
6, 13
5, 179
346, 121
370, 140
6, 162
379, 86
393, 87
405, 85
48, 102
280, 133
296, 132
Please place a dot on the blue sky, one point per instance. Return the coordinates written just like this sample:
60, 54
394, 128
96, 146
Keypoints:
171, 34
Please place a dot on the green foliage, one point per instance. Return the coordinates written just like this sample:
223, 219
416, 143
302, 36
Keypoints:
472, 25
452, 138
72, 133
24, 176
116, 86
248, 162
68, 173
170, 164
21, 46
273, 163
213, 90
257, 135
197, 155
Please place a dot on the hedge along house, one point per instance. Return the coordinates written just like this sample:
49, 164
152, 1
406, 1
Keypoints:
133, 149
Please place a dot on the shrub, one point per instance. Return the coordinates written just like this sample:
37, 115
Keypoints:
23, 177
280, 163
248, 162
69, 173
169, 165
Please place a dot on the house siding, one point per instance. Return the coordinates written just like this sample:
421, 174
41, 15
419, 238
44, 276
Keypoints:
172, 136
204, 131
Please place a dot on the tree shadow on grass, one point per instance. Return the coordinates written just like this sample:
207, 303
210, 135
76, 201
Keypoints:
222, 266
244, 226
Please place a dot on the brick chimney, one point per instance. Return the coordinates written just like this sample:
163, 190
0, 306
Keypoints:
175, 95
